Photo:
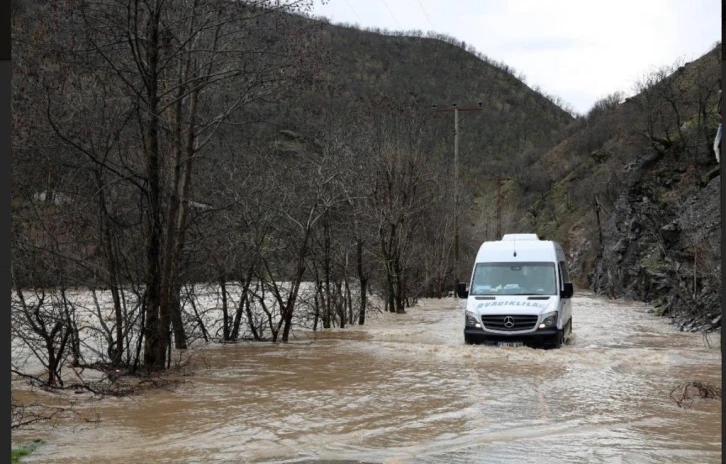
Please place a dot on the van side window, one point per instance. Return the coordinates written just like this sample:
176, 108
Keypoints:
563, 272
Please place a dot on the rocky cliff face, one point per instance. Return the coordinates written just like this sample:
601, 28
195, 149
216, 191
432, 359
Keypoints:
661, 243
633, 194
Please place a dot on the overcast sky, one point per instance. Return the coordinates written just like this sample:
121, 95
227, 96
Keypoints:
579, 50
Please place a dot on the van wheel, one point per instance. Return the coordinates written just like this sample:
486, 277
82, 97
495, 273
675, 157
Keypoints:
568, 331
469, 340
557, 340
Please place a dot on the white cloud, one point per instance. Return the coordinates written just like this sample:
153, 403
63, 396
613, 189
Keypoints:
578, 50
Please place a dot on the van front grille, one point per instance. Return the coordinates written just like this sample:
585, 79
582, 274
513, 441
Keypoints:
509, 322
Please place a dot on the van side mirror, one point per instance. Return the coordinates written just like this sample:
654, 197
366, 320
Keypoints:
461, 291
568, 290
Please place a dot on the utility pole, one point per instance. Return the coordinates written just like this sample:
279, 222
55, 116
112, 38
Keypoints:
499, 208
500, 182
456, 201
456, 110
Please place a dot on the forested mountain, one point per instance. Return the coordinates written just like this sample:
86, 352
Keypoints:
515, 121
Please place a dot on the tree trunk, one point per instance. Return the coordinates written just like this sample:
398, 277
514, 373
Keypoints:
51, 365
390, 301
205, 334
348, 301
243, 301
292, 298
179, 334
155, 330
363, 284
317, 300
225, 312
72, 328
111, 266
340, 303
177, 322
250, 320
238, 315
399, 287
327, 310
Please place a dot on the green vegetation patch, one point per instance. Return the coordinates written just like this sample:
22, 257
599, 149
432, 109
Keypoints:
654, 261
18, 453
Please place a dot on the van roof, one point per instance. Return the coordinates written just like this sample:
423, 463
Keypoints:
527, 249
518, 237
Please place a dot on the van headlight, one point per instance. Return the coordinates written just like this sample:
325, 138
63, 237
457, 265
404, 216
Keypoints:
471, 320
549, 320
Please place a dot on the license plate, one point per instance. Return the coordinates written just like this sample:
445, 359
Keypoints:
510, 344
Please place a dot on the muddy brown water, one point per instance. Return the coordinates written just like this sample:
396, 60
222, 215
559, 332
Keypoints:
406, 389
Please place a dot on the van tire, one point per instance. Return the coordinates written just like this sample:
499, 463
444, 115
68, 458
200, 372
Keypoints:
557, 340
468, 340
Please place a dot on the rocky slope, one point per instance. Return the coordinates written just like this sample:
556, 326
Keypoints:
664, 253
635, 197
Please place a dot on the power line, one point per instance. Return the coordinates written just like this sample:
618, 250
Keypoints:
391, 13
354, 12
428, 18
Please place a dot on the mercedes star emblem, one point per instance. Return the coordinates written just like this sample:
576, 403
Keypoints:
509, 322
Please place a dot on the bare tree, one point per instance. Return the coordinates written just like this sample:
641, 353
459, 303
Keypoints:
166, 75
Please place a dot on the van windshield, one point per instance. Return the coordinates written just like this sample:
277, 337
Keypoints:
514, 279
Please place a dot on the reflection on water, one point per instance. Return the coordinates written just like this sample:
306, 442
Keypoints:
406, 389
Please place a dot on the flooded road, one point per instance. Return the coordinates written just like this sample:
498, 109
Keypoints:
406, 389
